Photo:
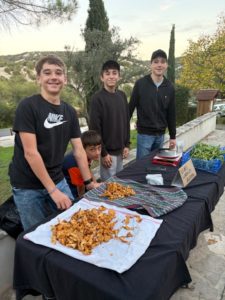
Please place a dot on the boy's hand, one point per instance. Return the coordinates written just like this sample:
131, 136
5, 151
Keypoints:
172, 144
93, 185
125, 152
107, 161
61, 200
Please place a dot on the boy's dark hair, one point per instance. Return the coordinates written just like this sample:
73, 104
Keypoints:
110, 64
50, 59
159, 53
91, 138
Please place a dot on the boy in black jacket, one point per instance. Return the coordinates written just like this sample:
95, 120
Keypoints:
109, 116
154, 98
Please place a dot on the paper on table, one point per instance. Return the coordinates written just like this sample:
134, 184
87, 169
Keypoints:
108, 255
156, 179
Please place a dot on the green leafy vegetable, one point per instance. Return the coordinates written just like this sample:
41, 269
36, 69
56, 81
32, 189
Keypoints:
207, 152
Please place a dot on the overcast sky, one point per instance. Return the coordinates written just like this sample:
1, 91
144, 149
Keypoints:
149, 21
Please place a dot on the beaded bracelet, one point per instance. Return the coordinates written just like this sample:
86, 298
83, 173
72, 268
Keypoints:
53, 190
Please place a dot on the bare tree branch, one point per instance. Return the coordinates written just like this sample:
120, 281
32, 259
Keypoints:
35, 12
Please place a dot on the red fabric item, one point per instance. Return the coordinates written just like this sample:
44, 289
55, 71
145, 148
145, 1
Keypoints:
165, 163
75, 176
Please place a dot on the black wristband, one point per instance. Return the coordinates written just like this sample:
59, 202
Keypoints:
87, 182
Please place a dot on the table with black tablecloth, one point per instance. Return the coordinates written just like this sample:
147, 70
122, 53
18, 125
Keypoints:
159, 272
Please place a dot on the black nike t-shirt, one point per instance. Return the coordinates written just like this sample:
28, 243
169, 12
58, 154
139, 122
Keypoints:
54, 126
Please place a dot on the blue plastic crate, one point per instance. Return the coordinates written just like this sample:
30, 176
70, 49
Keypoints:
185, 156
223, 148
211, 166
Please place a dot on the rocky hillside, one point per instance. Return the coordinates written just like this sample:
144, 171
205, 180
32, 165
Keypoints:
21, 64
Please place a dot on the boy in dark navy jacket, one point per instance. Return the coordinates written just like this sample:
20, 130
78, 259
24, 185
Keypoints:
91, 141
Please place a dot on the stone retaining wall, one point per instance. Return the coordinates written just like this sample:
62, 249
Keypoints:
195, 130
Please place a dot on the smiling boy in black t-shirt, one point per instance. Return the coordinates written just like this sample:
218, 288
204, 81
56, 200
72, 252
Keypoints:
44, 125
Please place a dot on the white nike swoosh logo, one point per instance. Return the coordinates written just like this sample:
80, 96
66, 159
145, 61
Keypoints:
51, 125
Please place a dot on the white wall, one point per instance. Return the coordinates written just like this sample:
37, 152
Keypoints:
195, 130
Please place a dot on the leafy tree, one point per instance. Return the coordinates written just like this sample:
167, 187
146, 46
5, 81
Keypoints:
17, 88
87, 64
203, 61
7, 115
171, 57
68, 96
18, 81
192, 113
182, 95
101, 44
11, 92
27, 12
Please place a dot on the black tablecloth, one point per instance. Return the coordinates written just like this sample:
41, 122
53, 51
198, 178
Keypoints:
155, 276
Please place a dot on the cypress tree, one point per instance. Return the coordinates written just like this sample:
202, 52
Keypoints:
97, 24
171, 58
97, 20
97, 17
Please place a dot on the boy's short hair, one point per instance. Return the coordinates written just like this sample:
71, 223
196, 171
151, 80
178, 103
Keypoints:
50, 59
91, 138
158, 53
110, 64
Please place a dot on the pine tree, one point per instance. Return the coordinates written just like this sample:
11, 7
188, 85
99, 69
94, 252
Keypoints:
171, 58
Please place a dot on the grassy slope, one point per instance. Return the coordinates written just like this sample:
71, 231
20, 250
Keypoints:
133, 139
5, 158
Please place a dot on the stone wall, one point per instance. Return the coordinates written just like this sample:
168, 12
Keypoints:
195, 130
